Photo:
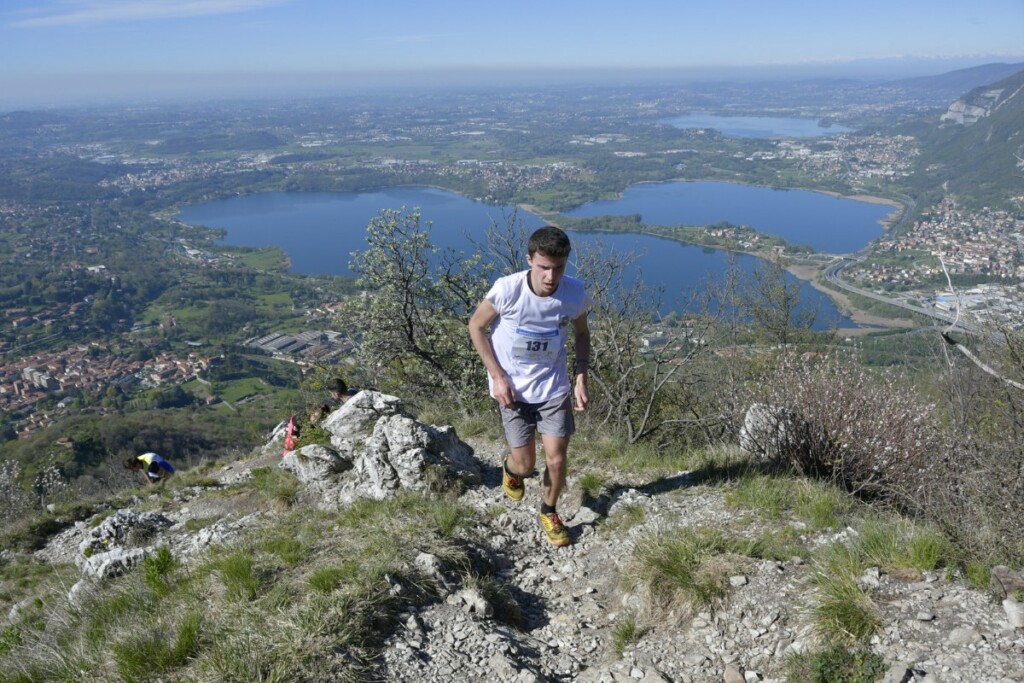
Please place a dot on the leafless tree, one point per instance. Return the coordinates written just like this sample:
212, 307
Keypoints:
646, 379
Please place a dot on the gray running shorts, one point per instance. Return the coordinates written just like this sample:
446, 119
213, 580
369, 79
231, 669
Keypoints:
522, 420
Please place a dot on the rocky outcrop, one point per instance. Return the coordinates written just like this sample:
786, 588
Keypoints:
964, 113
124, 527
376, 450
983, 102
777, 434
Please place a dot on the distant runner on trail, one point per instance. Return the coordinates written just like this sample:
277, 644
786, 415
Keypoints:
520, 330
155, 467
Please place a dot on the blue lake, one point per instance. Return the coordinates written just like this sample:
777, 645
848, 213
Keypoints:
825, 222
320, 230
756, 126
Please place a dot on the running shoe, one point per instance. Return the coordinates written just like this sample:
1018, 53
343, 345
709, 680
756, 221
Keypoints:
512, 484
556, 532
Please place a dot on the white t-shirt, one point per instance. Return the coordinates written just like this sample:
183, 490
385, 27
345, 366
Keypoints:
530, 334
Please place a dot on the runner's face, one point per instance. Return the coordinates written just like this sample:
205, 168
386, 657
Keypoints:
546, 272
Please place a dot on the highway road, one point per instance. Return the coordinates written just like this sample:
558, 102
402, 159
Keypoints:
832, 274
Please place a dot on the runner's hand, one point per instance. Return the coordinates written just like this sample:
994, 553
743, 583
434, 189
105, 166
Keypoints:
503, 391
582, 395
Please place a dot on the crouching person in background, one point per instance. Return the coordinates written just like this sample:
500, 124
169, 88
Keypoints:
155, 468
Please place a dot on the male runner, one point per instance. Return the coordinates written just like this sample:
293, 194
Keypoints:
520, 330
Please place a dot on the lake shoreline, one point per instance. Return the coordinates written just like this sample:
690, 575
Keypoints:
809, 273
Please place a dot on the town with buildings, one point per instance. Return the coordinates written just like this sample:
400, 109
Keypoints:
983, 247
84, 369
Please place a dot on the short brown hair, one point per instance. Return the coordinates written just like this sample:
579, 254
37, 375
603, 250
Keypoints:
550, 241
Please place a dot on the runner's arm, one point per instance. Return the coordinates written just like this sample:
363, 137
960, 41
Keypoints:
582, 329
479, 333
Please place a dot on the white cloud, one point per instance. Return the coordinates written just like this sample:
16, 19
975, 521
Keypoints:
68, 12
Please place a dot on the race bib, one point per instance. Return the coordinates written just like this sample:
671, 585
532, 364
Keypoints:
529, 346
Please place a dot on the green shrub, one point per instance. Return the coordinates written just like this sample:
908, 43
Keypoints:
157, 569
868, 432
10, 638
313, 435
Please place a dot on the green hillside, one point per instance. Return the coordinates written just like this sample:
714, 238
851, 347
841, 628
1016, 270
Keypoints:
978, 161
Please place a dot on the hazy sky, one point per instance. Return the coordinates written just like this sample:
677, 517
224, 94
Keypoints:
55, 48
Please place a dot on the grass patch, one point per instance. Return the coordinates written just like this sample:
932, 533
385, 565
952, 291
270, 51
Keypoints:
771, 496
241, 657
895, 544
198, 523
21, 574
238, 574
978, 574
33, 534
483, 423
276, 485
781, 545
99, 518
288, 549
819, 505
591, 483
147, 655
265, 259
625, 633
107, 612
625, 518
328, 579
842, 612
409, 513
836, 664
10, 638
236, 390
677, 569
610, 453
929, 549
